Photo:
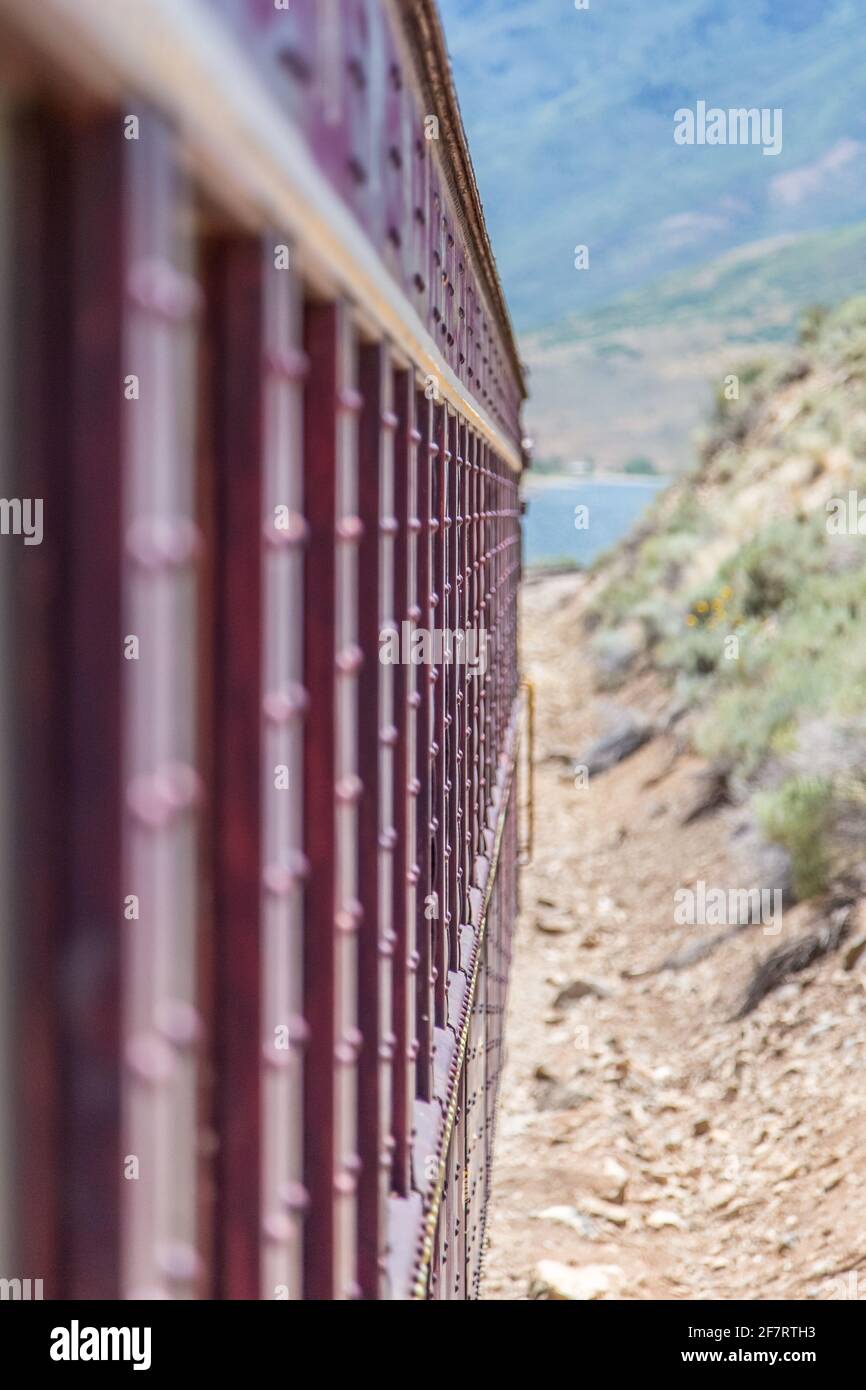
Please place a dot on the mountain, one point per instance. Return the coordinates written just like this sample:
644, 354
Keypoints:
570, 118
634, 377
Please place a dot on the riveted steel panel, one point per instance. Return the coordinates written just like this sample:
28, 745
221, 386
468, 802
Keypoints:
333, 917
295, 1031
425, 906
377, 832
285, 708
406, 697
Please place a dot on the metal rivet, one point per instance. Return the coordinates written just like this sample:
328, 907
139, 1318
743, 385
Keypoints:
159, 287
179, 1022
156, 798
283, 879
289, 363
151, 1058
278, 1228
179, 1262
163, 542
349, 789
349, 660
349, 917
294, 531
282, 706
294, 1197
350, 529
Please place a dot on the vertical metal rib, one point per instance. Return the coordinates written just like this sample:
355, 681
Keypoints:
162, 784
332, 789
425, 1008
376, 830
286, 708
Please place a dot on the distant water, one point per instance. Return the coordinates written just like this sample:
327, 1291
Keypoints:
549, 531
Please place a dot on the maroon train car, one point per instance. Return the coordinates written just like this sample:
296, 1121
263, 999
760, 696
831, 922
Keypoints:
259, 693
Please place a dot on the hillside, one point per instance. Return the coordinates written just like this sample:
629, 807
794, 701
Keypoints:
682, 1115
636, 376
747, 594
570, 119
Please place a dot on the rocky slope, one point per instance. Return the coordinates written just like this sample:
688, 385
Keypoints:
745, 591
682, 1109
652, 1145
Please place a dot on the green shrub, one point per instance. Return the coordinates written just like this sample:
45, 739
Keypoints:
751, 378
812, 321
770, 568
797, 816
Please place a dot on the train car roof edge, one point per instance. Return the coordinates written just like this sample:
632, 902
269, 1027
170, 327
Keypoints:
426, 36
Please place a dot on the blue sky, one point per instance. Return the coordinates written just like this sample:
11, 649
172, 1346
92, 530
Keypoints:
570, 122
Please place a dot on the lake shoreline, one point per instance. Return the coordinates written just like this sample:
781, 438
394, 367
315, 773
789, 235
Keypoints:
569, 522
538, 482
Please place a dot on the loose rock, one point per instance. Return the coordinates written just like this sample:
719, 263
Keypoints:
580, 989
569, 1283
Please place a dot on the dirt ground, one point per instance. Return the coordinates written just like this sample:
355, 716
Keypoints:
646, 1141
